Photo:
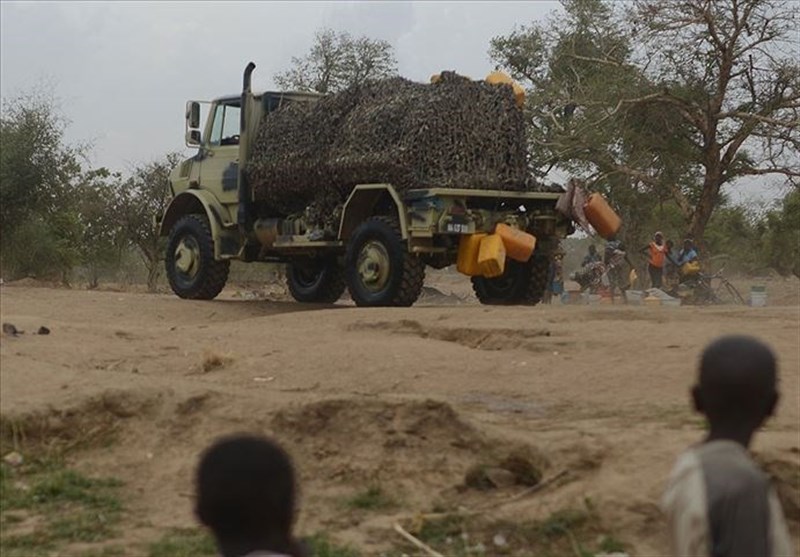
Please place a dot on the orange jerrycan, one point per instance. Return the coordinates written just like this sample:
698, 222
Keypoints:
499, 78
601, 216
492, 256
519, 245
468, 247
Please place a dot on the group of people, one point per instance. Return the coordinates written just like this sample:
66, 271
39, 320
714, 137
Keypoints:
613, 273
718, 502
667, 265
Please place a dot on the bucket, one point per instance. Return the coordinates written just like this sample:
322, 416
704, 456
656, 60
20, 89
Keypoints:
758, 296
671, 302
635, 297
592, 299
652, 301
573, 297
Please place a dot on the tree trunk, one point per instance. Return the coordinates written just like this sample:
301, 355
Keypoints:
153, 270
709, 198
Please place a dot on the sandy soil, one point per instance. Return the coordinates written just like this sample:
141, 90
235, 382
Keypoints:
409, 398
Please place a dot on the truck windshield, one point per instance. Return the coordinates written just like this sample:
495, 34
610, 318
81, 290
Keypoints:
225, 129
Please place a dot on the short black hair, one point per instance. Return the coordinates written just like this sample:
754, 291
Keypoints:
246, 489
737, 383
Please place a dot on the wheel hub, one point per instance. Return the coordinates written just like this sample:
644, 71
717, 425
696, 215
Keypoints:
373, 266
187, 256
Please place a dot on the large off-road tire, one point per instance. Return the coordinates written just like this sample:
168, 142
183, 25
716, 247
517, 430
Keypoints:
192, 271
316, 281
379, 270
507, 289
521, 283
537, 281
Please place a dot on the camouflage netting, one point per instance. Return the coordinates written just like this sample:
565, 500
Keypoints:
456, 133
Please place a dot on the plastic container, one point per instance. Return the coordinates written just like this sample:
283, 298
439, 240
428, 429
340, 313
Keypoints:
492, 256
634, 297
496, 78
591, 299
671, 302
468, 248
601, 216
758, 296
573, 297
652, 301
519, 245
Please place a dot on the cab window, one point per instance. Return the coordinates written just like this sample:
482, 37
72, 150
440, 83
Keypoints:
225, 128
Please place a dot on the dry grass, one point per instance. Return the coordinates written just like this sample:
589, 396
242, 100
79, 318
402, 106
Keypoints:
214, 360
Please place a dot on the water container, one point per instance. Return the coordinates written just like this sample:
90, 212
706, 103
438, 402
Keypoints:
601, 216
519, 245
492, 256
671, 302
468, 248
758, 296
635, 297
652, 301
496, 78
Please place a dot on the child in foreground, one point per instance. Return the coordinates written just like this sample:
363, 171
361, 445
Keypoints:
246, 497
718, 502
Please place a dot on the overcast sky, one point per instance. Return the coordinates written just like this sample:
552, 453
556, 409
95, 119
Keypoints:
123, 70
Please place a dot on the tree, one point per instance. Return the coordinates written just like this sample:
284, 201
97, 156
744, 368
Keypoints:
102, 239
782, 238
337, 61
140, 199
39, 223
576, 66
730, 70
712, 97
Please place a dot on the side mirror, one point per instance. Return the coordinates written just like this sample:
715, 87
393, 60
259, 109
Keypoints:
193, 115
193, 138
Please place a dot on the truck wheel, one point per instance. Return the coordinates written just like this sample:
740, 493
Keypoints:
192, 271
318, 280
537, 283
378, 268
507, 289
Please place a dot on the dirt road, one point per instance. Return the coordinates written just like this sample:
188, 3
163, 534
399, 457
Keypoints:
406, 398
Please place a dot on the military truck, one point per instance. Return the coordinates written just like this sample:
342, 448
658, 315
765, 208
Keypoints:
384, 241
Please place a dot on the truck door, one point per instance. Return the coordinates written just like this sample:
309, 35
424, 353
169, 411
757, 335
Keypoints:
220, 166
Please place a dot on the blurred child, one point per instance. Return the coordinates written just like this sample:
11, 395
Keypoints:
718, 502
246, 497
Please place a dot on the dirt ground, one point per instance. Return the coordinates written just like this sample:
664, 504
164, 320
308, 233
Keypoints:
410, 399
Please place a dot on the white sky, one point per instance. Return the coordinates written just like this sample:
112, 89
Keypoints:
123, 71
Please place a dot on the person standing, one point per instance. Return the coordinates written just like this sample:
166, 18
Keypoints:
718, 502
656, 254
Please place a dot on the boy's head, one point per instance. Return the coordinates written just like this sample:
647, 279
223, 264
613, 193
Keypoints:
737, 383
246, 489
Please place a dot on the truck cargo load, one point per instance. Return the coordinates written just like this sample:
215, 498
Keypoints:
455, 133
